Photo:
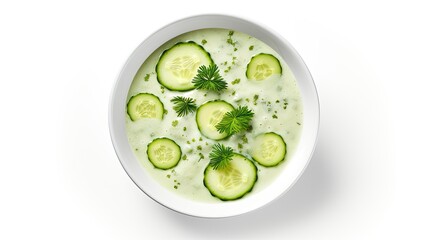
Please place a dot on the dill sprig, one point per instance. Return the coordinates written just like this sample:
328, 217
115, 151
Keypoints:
183, 105
208, 78
235, 121
220, 156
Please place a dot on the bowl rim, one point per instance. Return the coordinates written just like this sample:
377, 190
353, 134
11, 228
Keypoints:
123, 81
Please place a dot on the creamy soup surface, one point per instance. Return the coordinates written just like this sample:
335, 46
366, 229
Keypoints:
276, 104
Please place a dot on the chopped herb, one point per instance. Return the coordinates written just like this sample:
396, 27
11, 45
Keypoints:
168, 175
184, 157
244, 139
137, 149
208, 78
184, 129
175, 186
298, 123
165, 111
227, 69
229, 40
269, 106
247, 100
162, 89
255, 99
275, 116
146, 77
235, 49
236, 81
220, 156
188, 142
199, 147
240, 146
285, 103
193, 139
203, 41
251, 48
184, 105
174, 123
201, 156
277, 101
233, 93
235, 121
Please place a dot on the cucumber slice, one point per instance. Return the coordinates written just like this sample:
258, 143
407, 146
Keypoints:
164, 153
269, 149
178, 65
209, 115
145, 105
233, 181
263, 66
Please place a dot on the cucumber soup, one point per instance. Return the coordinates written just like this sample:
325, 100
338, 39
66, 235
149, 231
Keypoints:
214, 115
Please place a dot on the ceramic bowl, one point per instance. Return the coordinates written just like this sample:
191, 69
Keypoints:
289, 175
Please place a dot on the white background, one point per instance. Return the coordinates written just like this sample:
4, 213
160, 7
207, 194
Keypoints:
60, 178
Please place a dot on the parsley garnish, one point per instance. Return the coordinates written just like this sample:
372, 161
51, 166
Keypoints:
183, 105
208, 78
220, 156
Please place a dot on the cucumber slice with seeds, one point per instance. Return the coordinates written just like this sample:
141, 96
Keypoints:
263, 66
145, 105
233, 181
209, 115
164, 153
178, 65
269, 149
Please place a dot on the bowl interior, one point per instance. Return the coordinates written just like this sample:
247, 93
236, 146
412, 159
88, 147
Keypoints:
287, 177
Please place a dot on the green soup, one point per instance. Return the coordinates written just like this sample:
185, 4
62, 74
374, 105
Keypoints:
269, 90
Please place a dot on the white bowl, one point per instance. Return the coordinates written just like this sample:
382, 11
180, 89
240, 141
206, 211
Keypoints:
286, 178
